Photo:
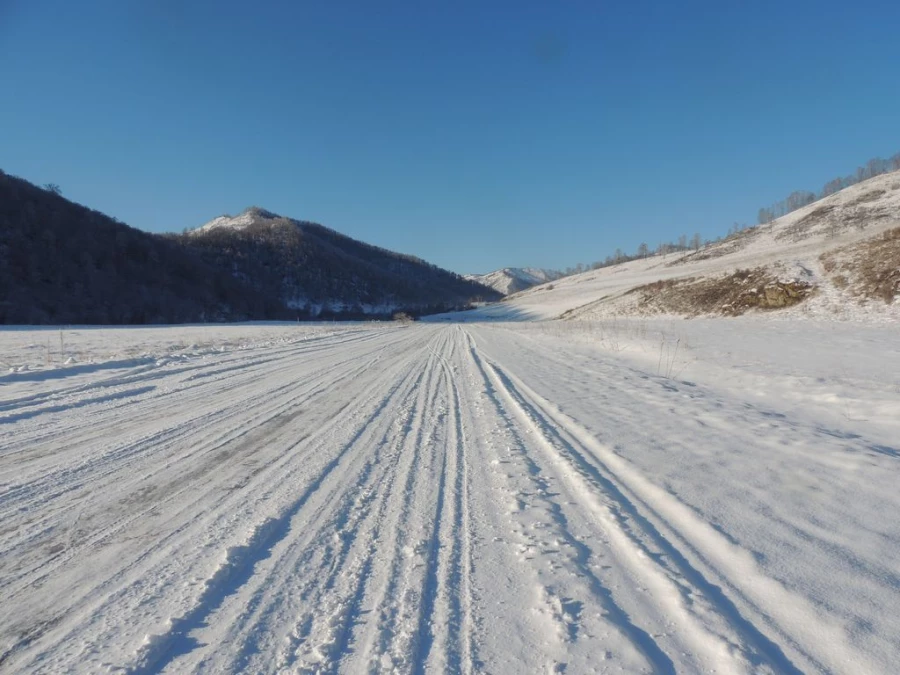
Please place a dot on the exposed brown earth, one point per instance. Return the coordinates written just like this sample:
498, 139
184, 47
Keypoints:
868, 270
730, 295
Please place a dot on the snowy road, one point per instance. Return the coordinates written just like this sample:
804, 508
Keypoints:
438, 498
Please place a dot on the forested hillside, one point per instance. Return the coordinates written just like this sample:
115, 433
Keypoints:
320, 272
63, 263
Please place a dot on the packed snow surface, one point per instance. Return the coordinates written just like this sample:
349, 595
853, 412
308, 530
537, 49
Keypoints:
619, 496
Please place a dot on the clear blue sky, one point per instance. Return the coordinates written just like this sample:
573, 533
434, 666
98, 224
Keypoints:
475, 134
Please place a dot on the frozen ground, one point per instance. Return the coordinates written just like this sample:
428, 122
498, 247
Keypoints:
594, 496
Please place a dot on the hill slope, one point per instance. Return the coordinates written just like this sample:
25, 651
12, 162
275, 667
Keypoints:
319, 272
62, 263
838, 257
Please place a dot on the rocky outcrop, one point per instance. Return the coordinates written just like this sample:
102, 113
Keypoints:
730, 295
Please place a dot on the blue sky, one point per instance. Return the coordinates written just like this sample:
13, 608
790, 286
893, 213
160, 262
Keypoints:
475, 134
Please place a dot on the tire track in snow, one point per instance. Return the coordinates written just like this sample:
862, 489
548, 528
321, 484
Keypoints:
275, 411
240, 565
660, 546
566, 585
321, 635
190, 423
448, 646
145, 561
341, 512
239, 367
403, 606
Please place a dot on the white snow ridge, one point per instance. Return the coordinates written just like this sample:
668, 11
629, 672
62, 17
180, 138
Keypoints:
244, 219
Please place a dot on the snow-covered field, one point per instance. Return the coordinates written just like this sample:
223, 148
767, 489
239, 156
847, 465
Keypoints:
595, 496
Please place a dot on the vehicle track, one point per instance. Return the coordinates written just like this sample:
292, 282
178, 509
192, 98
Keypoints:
372, 501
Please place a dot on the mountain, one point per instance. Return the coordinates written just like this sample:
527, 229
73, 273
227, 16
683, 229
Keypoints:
836, 258
63, 263
243, 220
318, 272
511, 280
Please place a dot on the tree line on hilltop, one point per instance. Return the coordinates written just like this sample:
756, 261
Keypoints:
800, 198
796, 200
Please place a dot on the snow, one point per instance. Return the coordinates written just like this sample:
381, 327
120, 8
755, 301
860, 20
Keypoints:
242, 220
783, 246
511, 280
608, 494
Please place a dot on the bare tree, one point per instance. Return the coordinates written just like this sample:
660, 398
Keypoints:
798, 199
877, 166
53, 187
832, 186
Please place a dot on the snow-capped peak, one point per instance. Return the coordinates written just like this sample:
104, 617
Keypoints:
511, 280
245, 218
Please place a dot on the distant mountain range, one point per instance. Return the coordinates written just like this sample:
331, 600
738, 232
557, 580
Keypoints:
63, 263
511, 280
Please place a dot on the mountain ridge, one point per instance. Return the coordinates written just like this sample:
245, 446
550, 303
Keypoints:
64, 263
318, 271
511, 280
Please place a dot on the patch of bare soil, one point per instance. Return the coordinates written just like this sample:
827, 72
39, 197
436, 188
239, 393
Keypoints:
868, 270
730, 295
